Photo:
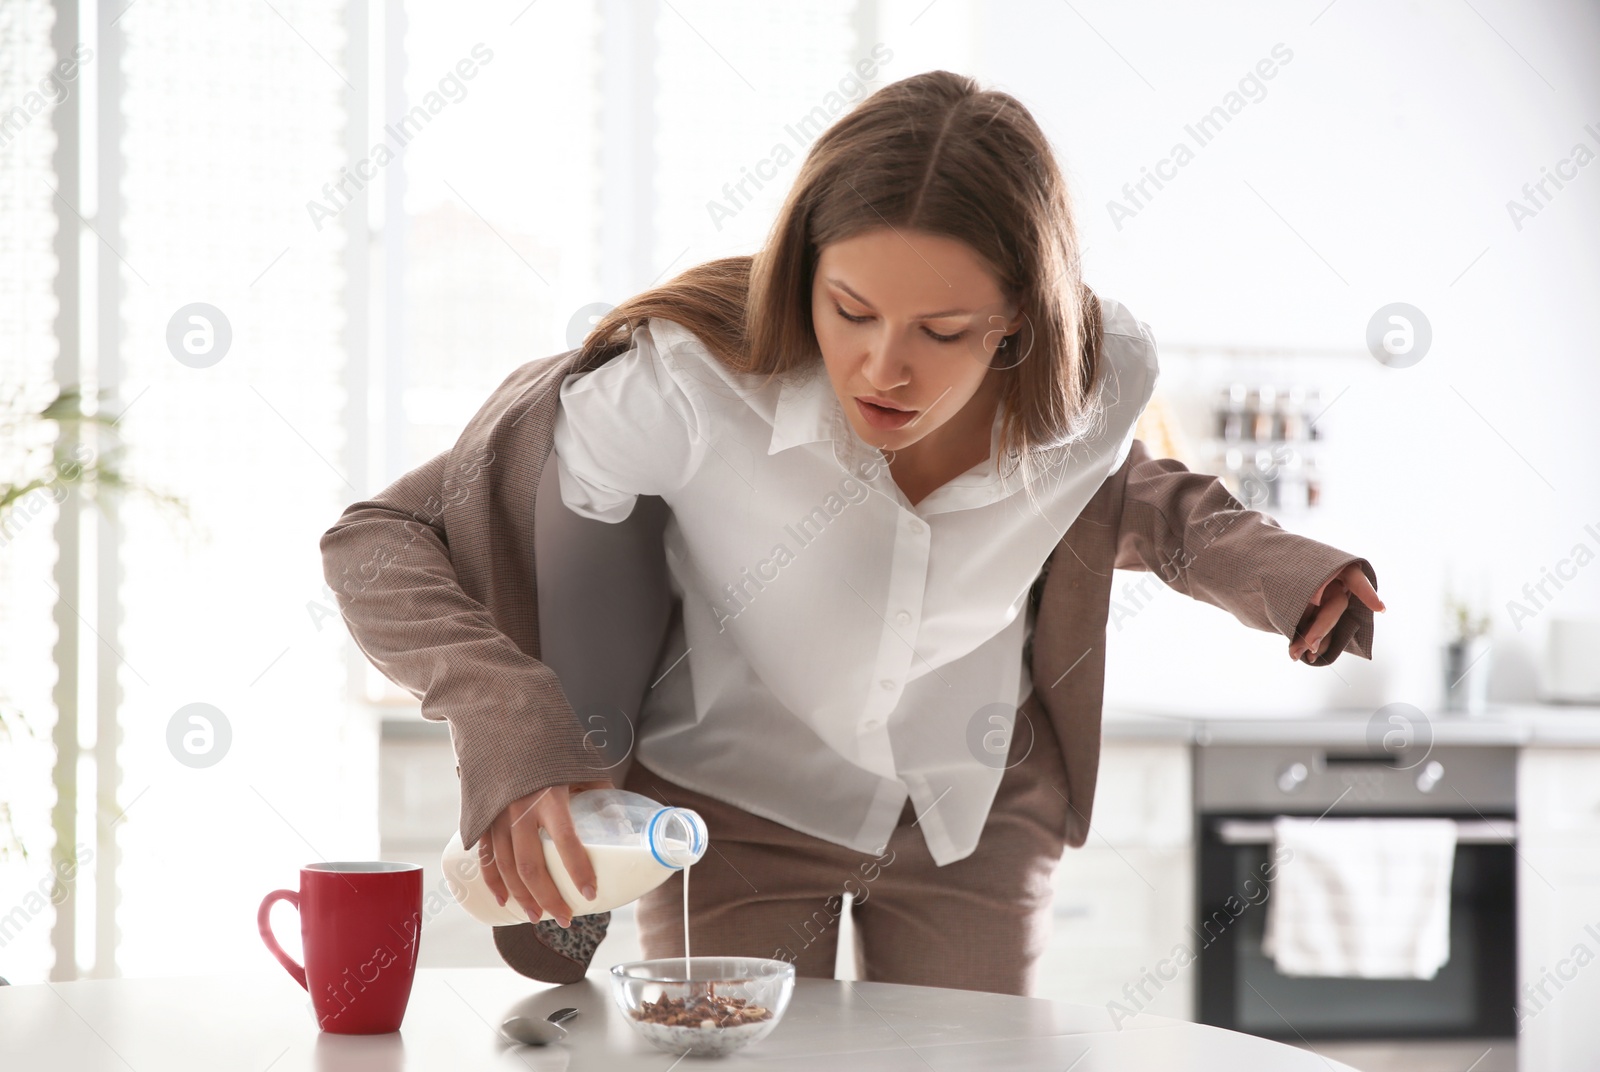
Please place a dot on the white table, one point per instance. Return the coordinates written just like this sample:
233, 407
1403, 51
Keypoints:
262, 1022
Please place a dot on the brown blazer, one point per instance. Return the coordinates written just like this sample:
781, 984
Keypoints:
438, 579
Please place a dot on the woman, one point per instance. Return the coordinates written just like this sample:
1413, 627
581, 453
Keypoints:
871, 437
927, 252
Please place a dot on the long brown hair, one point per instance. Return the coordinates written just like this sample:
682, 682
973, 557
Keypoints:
934, 153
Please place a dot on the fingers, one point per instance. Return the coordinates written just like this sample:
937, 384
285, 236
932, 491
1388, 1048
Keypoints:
505, 859
1331, 601
573, 854
512, 854
491, 872
1332, 610
1362, 589
530, 868
1316, 634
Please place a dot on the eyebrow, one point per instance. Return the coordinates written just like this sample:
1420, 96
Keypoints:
925, 316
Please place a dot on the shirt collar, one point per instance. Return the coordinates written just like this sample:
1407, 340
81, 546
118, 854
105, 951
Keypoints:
805, 413
808, 411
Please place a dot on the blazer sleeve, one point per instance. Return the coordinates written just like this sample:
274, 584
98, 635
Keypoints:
387, 561
1189, 530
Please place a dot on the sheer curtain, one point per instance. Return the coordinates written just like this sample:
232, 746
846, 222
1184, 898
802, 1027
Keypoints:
203, 742
240, 759
28, 268
742, 90
312, 237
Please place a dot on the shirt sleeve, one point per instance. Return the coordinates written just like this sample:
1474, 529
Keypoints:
1142, 390
633, 426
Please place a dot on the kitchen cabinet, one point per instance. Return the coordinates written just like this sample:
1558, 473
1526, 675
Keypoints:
1558, 892
419, 800
1123, 900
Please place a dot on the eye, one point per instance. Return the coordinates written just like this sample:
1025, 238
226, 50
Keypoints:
934, 335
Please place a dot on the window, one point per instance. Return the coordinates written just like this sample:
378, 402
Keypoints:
297, 260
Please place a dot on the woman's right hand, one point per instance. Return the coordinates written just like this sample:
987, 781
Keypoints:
511, 854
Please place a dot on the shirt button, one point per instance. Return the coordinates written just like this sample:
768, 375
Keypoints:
888, 684
903, 618
915, 526
871, 724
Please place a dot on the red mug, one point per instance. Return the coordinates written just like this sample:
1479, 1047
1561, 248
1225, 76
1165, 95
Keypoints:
360, 924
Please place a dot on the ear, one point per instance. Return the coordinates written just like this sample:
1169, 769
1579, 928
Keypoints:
1018, 320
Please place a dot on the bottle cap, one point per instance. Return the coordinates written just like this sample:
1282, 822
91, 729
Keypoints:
676, 837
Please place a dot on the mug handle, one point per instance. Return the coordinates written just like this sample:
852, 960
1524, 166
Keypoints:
264, 924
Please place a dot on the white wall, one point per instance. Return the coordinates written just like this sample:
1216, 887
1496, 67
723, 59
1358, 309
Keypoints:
1389, 145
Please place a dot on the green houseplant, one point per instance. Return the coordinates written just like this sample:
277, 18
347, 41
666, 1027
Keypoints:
48, 451
1466, 656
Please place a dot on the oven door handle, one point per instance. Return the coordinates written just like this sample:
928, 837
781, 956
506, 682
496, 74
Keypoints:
1468, 832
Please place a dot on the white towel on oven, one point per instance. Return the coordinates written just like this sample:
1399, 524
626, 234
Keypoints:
1364, 898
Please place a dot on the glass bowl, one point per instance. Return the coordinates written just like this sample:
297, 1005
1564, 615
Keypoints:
703, 1006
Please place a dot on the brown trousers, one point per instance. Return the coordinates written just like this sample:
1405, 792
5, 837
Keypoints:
766, 890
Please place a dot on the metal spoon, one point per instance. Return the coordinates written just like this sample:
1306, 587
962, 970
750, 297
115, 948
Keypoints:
532, 1032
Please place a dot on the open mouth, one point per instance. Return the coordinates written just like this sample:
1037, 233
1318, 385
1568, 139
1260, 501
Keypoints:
888, 408
881, 416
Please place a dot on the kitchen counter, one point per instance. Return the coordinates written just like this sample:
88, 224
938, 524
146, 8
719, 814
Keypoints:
261, 1020
1548, 725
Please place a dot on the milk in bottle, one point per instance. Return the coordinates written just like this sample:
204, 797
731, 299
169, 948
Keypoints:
634, 843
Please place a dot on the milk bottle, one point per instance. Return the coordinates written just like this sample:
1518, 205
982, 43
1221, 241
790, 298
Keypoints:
634, 843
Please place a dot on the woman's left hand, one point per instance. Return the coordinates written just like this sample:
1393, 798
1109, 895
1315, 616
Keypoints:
1328, 606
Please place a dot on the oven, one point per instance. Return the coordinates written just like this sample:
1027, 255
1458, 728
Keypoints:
1240, 788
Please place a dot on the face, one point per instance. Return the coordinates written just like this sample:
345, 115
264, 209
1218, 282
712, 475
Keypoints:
908, 323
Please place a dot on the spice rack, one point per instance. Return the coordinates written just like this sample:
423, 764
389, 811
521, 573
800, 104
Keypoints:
1266, 444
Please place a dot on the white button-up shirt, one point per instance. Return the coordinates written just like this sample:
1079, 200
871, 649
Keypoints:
838, 647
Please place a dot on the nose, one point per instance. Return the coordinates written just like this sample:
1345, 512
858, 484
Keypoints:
885, 367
